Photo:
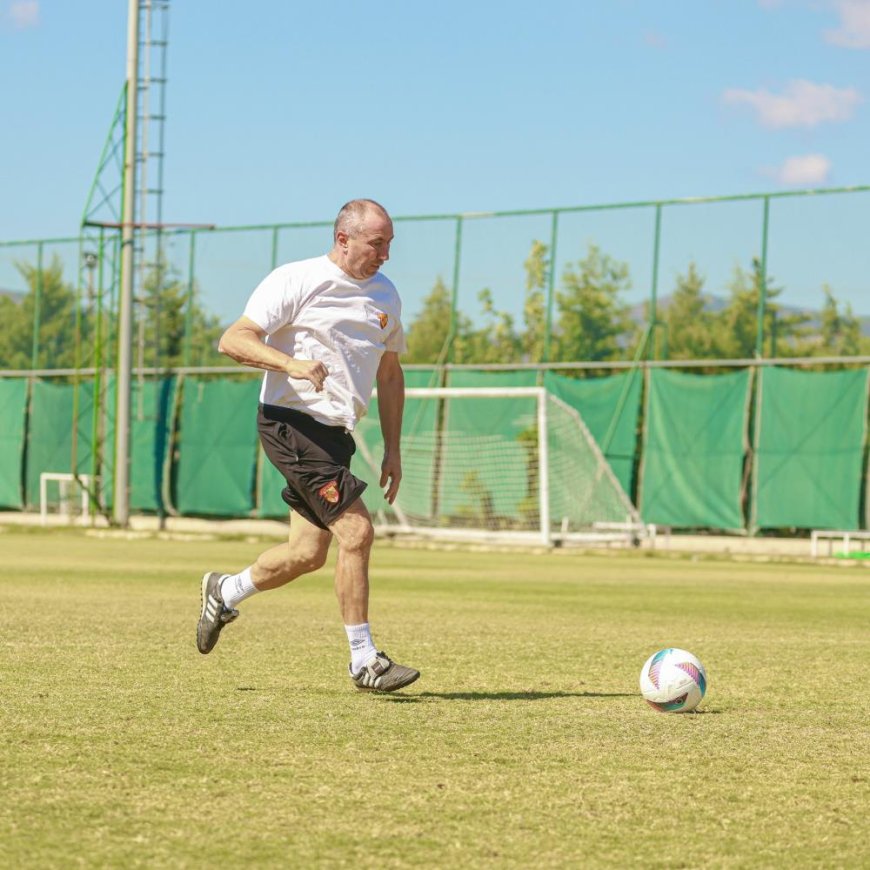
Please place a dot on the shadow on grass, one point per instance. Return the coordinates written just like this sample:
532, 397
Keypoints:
507, 696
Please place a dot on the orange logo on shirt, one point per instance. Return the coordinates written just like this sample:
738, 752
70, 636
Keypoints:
329, 492
383, 319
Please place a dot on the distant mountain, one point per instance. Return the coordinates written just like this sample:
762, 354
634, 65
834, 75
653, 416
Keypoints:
717, 303
14, 295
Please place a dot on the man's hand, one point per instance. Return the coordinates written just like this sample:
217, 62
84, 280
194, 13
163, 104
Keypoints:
307, 370
391, 473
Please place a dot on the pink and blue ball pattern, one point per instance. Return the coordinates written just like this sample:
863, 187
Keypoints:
655, 666
669, 706
695, 674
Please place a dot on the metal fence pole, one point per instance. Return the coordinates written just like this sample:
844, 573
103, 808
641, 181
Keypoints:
653, 302
188, 314
121, 503
37, 306
551, 288
762, 288
454, 290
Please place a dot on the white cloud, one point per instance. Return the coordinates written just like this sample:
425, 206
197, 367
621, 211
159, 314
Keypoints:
854, 29
803, 104
807, 169
24, 13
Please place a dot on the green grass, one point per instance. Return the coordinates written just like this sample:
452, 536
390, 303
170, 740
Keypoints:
524, 744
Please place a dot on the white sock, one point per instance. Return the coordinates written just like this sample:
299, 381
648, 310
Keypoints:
235, 588
362, 648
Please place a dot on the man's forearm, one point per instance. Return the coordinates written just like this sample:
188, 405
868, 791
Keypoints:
391, 406
249, 350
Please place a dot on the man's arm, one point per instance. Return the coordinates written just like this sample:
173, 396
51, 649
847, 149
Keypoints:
244, 342
391, 404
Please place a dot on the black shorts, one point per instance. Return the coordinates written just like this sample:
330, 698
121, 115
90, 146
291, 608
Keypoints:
315, 461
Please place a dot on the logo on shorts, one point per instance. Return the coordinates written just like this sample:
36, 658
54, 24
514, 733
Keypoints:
383, 319
329, 492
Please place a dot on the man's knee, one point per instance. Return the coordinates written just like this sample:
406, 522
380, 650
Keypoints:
354, 531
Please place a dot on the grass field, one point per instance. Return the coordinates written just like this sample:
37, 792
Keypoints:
524, 744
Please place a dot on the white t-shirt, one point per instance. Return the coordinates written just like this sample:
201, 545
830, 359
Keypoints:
311, 309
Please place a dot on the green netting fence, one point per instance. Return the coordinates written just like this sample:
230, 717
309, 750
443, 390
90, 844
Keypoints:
694, 447
13, 404
761, 448
810, 449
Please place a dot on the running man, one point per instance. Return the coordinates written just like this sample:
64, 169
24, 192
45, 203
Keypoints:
325, 330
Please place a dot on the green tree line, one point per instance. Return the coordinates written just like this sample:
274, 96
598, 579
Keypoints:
51, 327
592, 321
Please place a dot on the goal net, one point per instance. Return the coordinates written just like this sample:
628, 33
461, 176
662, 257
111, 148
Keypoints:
511, 464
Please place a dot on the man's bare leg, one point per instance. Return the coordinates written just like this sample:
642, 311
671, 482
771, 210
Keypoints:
305, 551
354, 532
369, 669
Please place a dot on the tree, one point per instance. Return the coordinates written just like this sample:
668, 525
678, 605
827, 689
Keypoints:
840, 332
50, 305
535, 309
593, 323
160, 332
736, 327
687, 319
427, 334
495, 342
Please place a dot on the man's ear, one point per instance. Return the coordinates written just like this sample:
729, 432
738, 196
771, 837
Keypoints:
341, 238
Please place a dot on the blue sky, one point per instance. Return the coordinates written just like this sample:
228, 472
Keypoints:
280, 111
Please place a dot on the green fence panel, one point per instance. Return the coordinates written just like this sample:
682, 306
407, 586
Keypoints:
609, 407
478, 378
485, 471
150, 425
217, 447
270, 483
424, 377
479, 482
415, 492
50, 433
693, 449
13, 406
809, 449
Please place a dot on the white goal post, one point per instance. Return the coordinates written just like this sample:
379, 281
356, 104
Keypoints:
510, 464
70, 504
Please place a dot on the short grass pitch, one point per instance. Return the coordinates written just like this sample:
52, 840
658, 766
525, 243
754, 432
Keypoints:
524, 744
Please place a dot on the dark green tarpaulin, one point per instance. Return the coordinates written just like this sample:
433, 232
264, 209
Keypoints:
13, 402
693, 449
609, 407
483, 466
415, 493
151, 418
809, 449
483, 378
421, 378
50, 444
217, 447
270, 483
50, 441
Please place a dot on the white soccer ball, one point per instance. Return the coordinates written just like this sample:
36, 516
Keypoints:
673, 681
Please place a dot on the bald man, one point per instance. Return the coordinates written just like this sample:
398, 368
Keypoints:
325, 330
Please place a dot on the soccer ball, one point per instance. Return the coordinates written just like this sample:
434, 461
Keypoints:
673, 681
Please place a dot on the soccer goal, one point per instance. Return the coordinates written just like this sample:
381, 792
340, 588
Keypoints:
71, 501
514, 464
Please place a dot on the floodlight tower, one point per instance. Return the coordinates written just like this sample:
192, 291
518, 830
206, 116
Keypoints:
141, 251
